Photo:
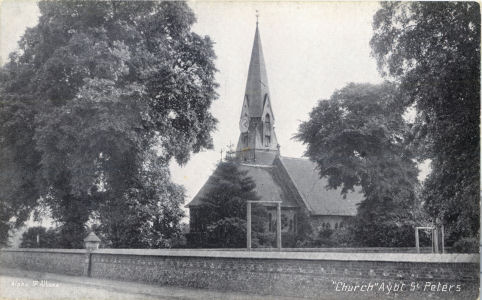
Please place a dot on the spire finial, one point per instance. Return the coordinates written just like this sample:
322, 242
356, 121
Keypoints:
257, 16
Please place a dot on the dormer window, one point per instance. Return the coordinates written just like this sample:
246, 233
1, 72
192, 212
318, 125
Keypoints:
267, 130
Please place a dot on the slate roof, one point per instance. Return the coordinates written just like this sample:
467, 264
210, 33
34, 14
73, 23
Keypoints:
268, 186
320, 201
306, 188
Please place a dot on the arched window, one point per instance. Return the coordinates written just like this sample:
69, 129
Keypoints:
336, 225
291, 226
245, 139
267, 130
328, 226
295, 221
341, 224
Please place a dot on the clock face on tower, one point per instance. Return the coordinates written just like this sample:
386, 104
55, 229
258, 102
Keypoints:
244, 124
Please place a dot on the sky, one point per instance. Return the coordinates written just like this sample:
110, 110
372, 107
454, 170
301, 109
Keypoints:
311, 49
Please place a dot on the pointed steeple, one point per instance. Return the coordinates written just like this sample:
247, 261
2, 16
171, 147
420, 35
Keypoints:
257, 141
257, 90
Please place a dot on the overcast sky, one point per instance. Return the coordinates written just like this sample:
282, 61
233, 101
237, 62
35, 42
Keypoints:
310, 48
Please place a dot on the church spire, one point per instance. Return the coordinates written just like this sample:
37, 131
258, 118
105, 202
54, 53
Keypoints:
257, 91
257, 142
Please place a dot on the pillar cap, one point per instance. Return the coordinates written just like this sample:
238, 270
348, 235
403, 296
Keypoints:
92, 238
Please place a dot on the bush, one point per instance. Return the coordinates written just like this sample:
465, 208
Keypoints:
196, 240
227, 233
383, 235
288, 240
263, 240
323, 242
343, 237
466, 245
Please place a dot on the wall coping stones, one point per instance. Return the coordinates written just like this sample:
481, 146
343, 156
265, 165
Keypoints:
44, 250
244, 254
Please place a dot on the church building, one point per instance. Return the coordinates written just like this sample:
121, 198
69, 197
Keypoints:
293, 181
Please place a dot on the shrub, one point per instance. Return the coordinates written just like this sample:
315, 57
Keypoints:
343, 237
466, 245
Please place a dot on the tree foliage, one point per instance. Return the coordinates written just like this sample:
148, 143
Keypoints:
149, 213
357, 138
433, 50
95, 87
223, 209
47, 238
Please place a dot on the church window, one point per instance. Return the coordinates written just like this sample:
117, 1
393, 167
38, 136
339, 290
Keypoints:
291, 226
267, 130
328, 226
267, 140
270, 225
295, 218
245, 140
336, 225
193, 220
284, 222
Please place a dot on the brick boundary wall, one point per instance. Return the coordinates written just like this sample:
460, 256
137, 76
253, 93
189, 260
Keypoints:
60, 261
322, 275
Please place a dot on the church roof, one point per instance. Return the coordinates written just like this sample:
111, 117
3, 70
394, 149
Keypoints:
295, 182
268, 186
315, 195
257, 84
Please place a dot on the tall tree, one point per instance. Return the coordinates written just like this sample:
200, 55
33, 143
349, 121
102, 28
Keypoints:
93, 89
149, 213
433, 50
357, 139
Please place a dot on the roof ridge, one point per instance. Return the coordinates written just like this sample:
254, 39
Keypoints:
256, 166
297, 158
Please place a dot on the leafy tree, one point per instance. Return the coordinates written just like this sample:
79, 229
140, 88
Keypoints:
223, 208
93, 89
357, 138
148, 215
433, 50
46, 238
18, 165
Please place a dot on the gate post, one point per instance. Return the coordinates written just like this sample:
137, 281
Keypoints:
435, 240
248, 225
278, 226
417, 245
